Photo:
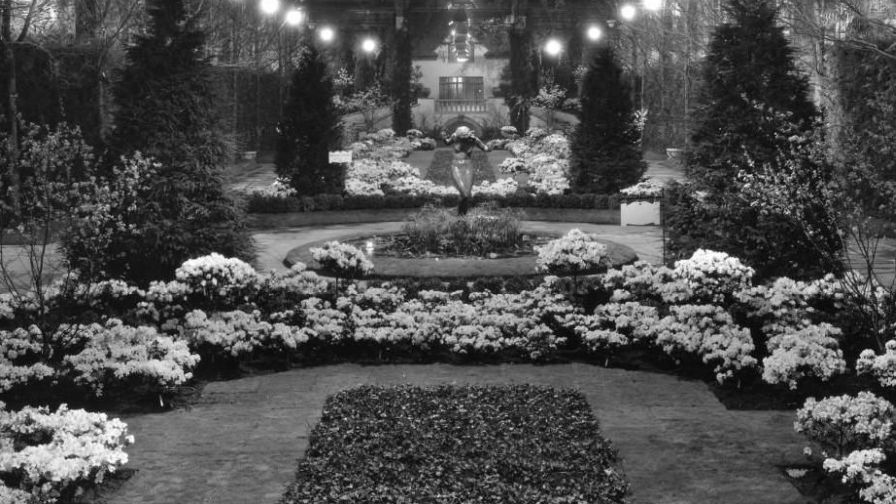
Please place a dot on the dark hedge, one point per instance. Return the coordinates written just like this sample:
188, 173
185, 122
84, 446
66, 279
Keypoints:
516, 444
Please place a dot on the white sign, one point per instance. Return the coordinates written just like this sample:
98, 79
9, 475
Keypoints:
341, 156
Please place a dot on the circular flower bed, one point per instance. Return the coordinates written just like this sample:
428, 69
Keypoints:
450, 267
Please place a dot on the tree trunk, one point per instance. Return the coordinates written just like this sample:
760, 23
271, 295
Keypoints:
86, 20
13, 138
521, 70
401, 76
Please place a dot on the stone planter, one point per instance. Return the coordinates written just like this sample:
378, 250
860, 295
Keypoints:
674, 154
640, 213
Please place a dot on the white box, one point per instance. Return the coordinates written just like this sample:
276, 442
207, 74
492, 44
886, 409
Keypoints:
640, 213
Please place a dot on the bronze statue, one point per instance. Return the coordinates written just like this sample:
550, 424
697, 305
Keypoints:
464, 141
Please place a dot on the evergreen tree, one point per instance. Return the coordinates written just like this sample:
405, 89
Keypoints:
606, 155
752, 99
310, 128
754, 117
166, 111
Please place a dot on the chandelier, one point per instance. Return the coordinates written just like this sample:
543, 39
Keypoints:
460, 41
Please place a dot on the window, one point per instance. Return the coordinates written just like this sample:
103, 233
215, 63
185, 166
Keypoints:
461, 88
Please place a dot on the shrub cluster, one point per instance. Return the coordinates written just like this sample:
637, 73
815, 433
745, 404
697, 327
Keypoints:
272, 204
482, 231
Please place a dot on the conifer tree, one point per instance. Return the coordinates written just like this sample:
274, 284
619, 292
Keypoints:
310, 129
606, 154
754, 117
165, 110
753, 99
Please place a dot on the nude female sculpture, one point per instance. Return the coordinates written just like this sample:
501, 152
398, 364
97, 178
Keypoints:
464, 141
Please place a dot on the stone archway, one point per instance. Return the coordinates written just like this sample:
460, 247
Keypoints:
462, 120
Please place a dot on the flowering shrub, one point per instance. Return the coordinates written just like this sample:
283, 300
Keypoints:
575, 253
882, 367
645, 282
278, 188
50, 456
114, 353
501, 187
20, 358
810, 351
860, 468
616, 325
239, 333
643, 190
713, 276
544, 157
217, 276
343, 260
845, 423
787, 304
710, 333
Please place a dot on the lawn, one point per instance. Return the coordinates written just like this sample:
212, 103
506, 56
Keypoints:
448, 444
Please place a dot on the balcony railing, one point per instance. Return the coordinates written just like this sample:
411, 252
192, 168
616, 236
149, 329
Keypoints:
460, 106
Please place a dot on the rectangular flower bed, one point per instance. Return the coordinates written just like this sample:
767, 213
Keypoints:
497, 444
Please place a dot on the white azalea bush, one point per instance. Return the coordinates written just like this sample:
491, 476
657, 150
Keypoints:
881, 367
845, 423
713, 276
238, 333
708, 333
809, 352
344, 260
861, 469
216, 276
501, 187
115, 354
614, 326
573, 254
646, 190
50, 456
544, 157
787, 304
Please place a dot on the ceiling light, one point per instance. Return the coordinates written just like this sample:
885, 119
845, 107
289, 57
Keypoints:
553, 47
269, 6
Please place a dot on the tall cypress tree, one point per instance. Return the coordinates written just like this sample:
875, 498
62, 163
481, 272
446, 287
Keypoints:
752, 98
166, 108
606, 155
310, 128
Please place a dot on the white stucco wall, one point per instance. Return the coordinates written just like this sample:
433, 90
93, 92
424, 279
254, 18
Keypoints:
489, 69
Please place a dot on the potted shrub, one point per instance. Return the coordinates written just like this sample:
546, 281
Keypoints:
640, 204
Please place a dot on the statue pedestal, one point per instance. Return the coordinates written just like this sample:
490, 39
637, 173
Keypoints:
640, 213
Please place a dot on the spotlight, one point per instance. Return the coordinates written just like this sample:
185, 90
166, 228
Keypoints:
653, 5
553, 47
326, 34
594, 33
368, 45
628, 12
295, 17
269, 6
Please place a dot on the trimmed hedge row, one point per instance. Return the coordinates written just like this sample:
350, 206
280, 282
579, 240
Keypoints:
266, 204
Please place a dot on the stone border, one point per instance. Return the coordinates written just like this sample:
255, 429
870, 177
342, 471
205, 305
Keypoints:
393, 267
262, 221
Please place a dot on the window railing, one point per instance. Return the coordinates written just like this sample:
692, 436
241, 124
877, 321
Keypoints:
449, 106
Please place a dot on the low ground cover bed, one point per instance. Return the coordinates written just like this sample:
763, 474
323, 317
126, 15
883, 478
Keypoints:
499, 444
396, 245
